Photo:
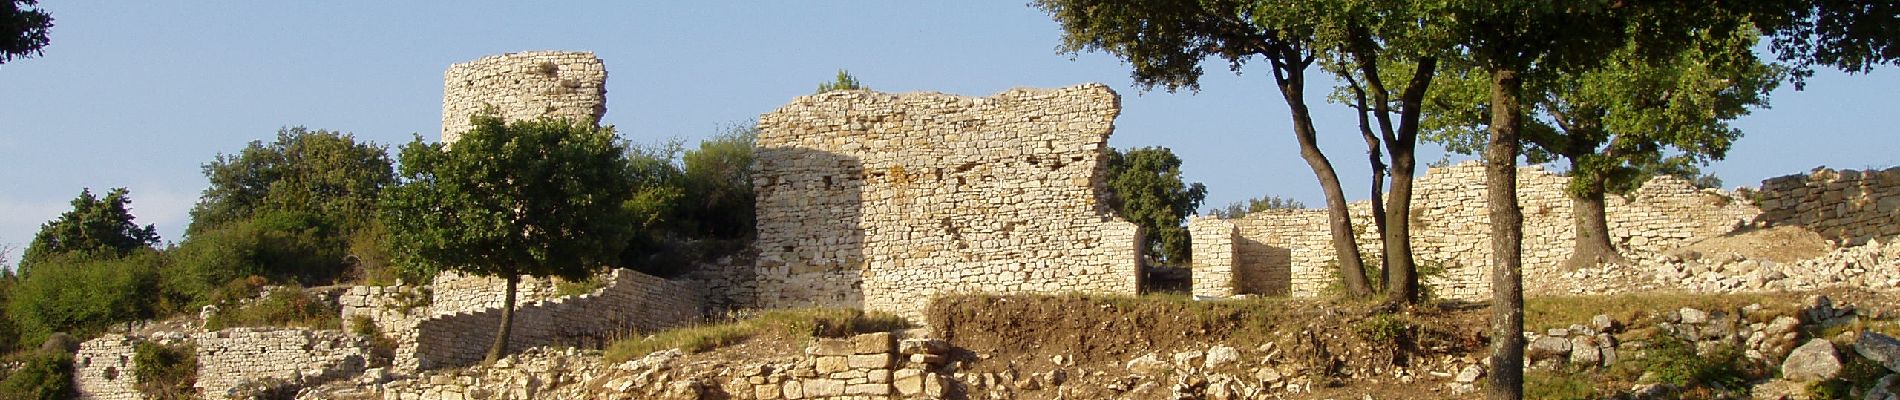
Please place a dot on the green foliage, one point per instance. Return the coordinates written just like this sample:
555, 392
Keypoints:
543, 198
575, 288
286, 306
1144, 185
382, 347
95, 225
1242, 208
23, 27
718, 183
1674, 361
790, 323
83, 294
326, 175
41, 376
1383, 327
276, 245
301, 208
844, 81
165, 372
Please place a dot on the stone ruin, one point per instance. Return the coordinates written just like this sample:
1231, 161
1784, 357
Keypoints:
878, 201
524, 86
881, 202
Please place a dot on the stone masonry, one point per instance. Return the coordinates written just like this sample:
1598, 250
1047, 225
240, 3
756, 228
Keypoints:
103, 368
630, 302
524, 86
1847, 206
1289, 251
881, 201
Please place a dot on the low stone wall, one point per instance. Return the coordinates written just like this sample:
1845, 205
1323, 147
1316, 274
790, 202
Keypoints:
1290, 252
878, 201
103, 367
1847, 206
629, 301
232, 357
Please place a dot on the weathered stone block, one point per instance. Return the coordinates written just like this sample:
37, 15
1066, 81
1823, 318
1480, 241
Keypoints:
869, 361
830, 364
873, 343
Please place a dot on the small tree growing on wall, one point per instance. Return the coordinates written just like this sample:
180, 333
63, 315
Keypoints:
540, 198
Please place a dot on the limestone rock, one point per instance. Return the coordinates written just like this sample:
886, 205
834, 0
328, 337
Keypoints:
1814, 361
1149, 365
1219, 356
1882, 349
1548, 348
1469, 374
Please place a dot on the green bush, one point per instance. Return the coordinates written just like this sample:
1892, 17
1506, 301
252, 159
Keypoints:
285, 307
165, 372
83, 295
42, 376
281, 247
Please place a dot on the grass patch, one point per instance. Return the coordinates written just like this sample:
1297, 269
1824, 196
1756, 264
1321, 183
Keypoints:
795, 323
285, 307
1542, 313
1559, 385
165, 372
566, 288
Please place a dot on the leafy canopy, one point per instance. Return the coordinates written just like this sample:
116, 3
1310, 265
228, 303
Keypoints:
23, 28
95, 225
844, 81
327, 175
544, 198
1145, 186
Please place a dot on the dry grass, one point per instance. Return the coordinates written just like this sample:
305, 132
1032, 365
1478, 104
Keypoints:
794, 323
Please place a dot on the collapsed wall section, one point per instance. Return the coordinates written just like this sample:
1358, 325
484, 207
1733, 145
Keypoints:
1847, 206
1451, 233
524, 86
882, 201
233, 357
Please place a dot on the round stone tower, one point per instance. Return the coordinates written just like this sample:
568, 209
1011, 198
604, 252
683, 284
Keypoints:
524, 86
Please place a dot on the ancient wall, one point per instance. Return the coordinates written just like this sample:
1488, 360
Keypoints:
1847, 206
524, 86
1213, 264
232, 357
629, 301
881, 201
1450, 230
452, 292
102, 369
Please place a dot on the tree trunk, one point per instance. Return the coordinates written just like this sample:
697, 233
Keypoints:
1291, 80
500, 348
1593, 226
1401, 285
1507, 236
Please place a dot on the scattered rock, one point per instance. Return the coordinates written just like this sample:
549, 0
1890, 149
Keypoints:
1220, 355
1882, 349
1469, 374
1814, 361
1149, 365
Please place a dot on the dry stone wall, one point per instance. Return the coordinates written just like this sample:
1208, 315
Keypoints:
629, 301
524, 86
452, 292
103, 370
1451, 231
881, 201
1847, 206
232, 357
103, 367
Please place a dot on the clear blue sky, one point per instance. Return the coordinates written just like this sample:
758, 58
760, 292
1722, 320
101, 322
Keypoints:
140, 94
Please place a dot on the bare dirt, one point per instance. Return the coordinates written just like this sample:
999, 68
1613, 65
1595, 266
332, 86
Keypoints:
1782, 244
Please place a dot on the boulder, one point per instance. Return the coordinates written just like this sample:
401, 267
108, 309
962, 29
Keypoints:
1149, 365
1880, 348
1219, 356
1548, 348
1814, 361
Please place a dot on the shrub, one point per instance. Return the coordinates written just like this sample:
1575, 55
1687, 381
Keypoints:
287, 306
382, 348
278, 246
1383, 327
82, 294
165, 372
47, 376
566, 288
